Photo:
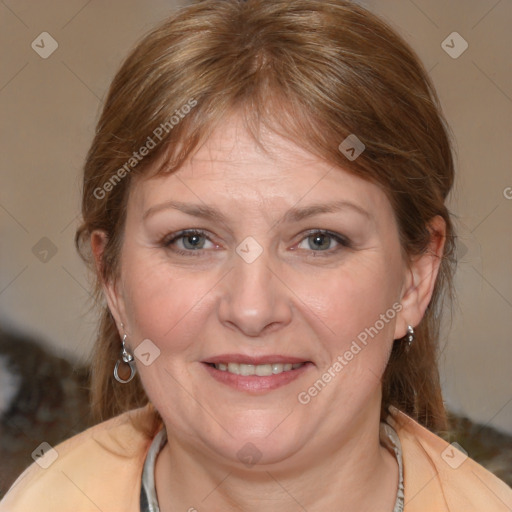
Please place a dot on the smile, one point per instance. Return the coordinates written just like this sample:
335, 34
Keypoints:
261, 370
256, 378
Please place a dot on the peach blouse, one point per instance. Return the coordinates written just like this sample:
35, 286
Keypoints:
101, 469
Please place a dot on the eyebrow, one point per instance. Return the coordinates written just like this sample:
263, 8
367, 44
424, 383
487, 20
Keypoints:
294, 214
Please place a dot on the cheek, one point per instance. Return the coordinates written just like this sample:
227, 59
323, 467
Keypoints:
160, 300
356, 302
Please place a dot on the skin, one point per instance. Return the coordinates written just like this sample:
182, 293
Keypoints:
301, 297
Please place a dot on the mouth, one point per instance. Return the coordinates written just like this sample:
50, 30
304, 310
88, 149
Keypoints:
256, 374
261, 370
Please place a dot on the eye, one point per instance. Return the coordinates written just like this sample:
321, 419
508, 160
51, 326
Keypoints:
191, 242
187, 241
320, 240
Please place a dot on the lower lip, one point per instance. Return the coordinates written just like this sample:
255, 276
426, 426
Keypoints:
254, 383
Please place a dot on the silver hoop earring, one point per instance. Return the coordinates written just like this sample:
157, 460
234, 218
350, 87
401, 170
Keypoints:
127, 357
409, 337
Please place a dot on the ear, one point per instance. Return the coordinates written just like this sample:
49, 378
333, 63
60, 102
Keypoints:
420, 279
99, 239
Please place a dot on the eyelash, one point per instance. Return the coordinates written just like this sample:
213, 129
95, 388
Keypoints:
167, 242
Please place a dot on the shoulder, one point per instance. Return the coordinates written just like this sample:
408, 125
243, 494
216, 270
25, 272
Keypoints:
98, 469
437, 476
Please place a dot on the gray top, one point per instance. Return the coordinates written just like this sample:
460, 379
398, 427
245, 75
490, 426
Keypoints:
149, 501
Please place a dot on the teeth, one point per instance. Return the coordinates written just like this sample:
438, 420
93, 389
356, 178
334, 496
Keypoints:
262, 370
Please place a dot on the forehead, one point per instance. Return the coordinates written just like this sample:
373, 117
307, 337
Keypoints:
231, 144
234, 168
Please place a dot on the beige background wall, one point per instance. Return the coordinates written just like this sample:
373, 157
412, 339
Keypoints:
49, 108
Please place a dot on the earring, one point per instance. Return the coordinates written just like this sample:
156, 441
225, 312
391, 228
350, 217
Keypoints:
409, 337
127, 357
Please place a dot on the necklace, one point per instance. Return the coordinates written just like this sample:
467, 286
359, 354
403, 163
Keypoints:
149, 501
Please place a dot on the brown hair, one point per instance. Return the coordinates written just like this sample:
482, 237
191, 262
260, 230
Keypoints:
313, 71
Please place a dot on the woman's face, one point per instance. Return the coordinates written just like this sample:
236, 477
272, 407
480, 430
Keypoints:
261, 281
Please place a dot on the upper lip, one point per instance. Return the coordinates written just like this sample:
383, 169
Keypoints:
255, 360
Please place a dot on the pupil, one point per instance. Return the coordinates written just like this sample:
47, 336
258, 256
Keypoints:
193, 237
317, 239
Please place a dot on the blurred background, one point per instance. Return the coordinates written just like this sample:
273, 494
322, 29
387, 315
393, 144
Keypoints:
58, 59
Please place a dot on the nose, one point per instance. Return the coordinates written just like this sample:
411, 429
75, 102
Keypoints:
255, 299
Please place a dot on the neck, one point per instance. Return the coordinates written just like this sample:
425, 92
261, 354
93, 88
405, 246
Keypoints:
351, 472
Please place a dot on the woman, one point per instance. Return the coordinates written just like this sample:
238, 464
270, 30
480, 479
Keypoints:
264, 203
